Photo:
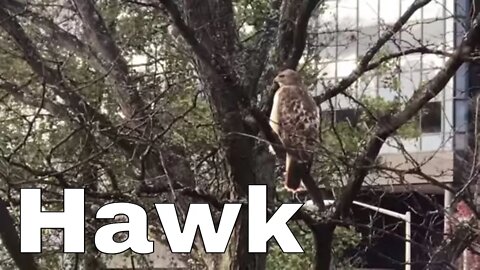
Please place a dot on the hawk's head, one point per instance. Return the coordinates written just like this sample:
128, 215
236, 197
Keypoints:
288, 77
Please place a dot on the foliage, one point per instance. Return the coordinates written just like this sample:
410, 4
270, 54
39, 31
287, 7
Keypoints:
345, 239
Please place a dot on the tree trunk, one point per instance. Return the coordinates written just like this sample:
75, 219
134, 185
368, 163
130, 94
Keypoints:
215, 27
323, 236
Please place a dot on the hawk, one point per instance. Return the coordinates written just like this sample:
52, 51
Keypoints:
295, 118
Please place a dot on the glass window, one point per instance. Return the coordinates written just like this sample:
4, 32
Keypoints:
368, 13
344, 102
387, 86
351, 116
432, 142
347, 44
431, 117
449, 32
448, 116
344, 68
411, 35
328, 52
327, 70
432, 61
409, 82
347, 13
429, 74
389, 11
393, 45
367, 85
410, 62
366, 37
387, 93
434, 31
329, 16
433, 10
326, 116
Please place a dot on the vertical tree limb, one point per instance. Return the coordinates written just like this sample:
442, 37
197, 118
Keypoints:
11, 240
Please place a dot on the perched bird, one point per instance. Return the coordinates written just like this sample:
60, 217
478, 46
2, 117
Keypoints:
295, 118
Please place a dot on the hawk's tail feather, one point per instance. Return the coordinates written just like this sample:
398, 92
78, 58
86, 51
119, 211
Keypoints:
294, 175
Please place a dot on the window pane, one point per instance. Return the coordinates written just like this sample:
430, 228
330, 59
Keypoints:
410, 62
411, 35
389, 11
367, 85
344, 102
344, 68
330, 13
351, 116
434, 32
433, 10
386, 88
432, 61
449, 33
347, 14
347, 44
328, 52
409, 81
368, 24
327, 70
326, 29
366, 37
326, 117
368, 13
431, 117
432, 142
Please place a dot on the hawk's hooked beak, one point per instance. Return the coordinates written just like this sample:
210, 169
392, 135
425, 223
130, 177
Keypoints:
275, 80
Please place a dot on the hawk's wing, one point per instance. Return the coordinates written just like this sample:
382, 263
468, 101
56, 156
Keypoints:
298, 122
295, 118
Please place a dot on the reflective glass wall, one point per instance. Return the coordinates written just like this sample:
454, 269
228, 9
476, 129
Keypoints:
348, 28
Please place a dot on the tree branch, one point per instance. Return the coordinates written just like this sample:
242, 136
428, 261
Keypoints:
300, 32
60, 36
94, 25
21, 94
259, 58
218, 68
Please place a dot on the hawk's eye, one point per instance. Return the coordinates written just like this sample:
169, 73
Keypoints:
281, 76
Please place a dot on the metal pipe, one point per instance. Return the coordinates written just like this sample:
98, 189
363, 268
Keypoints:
447, 204
408, 238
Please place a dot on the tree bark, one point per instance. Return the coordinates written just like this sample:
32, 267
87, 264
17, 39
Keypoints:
11, 240
323, 236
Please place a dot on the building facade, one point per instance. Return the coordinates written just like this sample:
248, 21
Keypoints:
440, 149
